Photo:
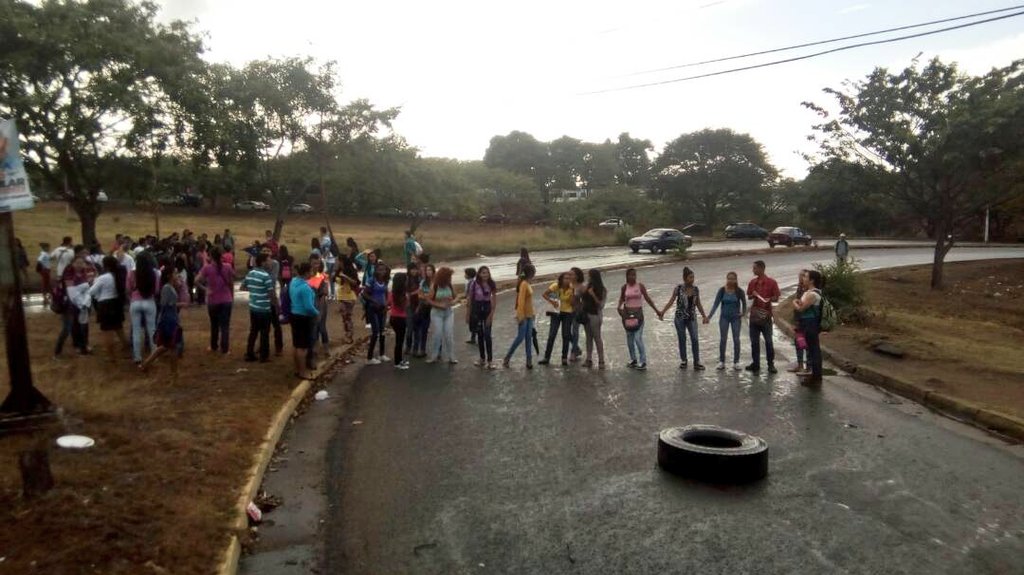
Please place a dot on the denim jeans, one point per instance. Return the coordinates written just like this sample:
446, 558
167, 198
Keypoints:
724, 324
259, 326
70, 325
564, 322
756, 333
442, 341
330, 274
812, 333
684, 326
577, 326
635, 344
593, 331
220, 325
522, 337
484, 342
142, 311
376, 319
400, 326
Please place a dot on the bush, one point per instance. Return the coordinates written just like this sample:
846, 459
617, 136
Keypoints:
623, 234
844, 288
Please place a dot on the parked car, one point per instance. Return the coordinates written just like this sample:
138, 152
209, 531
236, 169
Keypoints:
494, 219
191, 200
745, 230
788, 236
169, 201
251, 206
390, 213
427, 214
612, 223
300, 209
660, 240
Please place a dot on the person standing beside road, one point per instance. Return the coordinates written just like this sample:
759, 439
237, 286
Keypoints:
43, 269
62, 256
143, 285
287, 264
398, 306
303, 317
686, 296
228, 242
524, 260
422, 319
442, 317
808, 306
375, 297
798, 367
218, 281
411, 248
734, 307
470, 275
579, 317
762, 291
318, 281
327, 252
559, 295
631, 308
260, 284
524, 316
348, 293
593, 306
482, 300
842, 249
274, 269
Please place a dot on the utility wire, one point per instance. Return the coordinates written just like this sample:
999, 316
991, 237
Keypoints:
820, 42
804, 57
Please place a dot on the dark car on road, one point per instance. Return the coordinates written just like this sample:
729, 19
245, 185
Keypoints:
494, 219
660, 240
745, 230
788, 236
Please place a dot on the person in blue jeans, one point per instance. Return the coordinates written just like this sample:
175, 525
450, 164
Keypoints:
808, 307
734, 306
686, 296
524, 316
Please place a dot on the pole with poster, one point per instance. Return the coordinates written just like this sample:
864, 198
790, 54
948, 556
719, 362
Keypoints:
24, 398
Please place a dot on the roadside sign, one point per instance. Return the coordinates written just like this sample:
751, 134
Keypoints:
14, 190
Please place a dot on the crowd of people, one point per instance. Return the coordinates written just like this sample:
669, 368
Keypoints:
145, 282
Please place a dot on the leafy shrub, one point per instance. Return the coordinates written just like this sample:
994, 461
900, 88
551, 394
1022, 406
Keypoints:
844, 288
623, 234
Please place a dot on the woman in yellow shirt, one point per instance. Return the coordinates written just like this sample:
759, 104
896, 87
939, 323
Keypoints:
348, 278
524, 316
559, 295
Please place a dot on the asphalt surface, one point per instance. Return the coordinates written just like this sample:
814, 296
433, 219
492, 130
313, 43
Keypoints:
453, 470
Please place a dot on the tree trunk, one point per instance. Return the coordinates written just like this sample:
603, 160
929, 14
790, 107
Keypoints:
942, 247
88, 212
278, 227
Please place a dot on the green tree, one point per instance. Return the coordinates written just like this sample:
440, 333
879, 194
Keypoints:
86, 81
946, 140
839, 196
521, 153
633, 156
712, 173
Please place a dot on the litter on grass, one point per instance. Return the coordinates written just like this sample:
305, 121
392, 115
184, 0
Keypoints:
321, 395
75, 441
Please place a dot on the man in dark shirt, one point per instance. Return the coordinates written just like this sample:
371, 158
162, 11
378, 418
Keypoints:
762, 292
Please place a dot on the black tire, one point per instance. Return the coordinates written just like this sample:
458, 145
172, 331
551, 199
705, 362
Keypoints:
654, 250
664, 250
713, 454
635, 250
771, 245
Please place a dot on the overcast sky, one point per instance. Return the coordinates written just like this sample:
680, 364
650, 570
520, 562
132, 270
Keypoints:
463, 71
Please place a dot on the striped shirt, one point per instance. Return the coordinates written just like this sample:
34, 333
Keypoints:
261, 286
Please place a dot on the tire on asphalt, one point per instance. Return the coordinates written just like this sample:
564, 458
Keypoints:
713, 454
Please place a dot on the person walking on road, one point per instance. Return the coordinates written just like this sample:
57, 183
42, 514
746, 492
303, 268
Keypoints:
631, 308
442, 317
686, 296
842, 249
559, 295
594, 299
375, 297
734, 307
482, 300
260, 284
809, 309
304, 313
399, 307
762, 291
524, 316
218, 281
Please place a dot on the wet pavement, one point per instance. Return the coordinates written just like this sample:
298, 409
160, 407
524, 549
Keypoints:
455, 470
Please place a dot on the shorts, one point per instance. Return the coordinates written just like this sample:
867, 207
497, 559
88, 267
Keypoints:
168, 334
302, 331
110, 314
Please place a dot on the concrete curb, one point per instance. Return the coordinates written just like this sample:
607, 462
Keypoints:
229, 563
967, 412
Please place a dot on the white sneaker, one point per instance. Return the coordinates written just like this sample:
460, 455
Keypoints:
736, 367
385, 358
720, 366
479, 363
405, 362
368, 326
453, 361
373, 361
431, 360
401, 366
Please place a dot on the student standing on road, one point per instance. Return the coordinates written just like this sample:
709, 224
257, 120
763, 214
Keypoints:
327, 250
168, 325
631, 307
686, 296
398, 306
762, 292
524, 316
412, 281
375, 297
43, 269
842, 249
798, 335
423, 312
482, 300
594, 299
260, 284
303, 317
318, 281
442, 317
217, 279
524, 260
579, 317
559, 295
734, 307
411, 247
469, 275
348, 292
143, 285
109, 293
274, 269
809, 309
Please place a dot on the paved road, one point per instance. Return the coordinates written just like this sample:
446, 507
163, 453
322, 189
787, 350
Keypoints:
503, 267
454, 470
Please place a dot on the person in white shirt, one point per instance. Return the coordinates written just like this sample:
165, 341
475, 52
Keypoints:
109, 292
63, 255
330, 262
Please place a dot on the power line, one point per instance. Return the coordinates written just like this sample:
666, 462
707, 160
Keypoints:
820, 42
804, 57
